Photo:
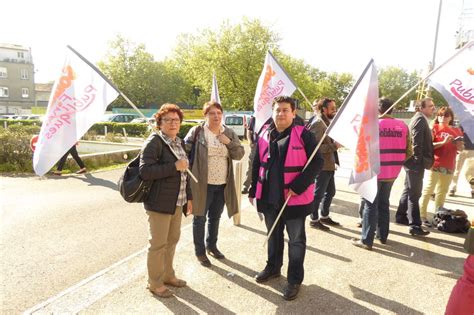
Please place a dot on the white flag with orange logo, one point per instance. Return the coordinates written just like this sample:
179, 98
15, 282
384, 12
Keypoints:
273, 82
78, 100
356, 127
215, 90
455, 81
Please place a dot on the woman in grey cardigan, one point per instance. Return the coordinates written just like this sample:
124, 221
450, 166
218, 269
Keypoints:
213, 148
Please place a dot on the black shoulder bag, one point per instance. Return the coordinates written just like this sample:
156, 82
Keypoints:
131, 186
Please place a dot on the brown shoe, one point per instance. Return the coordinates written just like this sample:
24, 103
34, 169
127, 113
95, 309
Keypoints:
57, 173
204, 260
178, 283
167, 293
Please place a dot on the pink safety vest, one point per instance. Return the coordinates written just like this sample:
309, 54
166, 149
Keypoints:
393, 146
294, 163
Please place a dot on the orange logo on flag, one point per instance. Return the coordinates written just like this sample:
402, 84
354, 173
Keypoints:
470, 71
64, 82
362, 154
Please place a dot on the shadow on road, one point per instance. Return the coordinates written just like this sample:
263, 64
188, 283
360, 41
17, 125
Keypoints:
95, 181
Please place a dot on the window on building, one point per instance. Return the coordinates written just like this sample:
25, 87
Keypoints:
3, 72
21, 54
24, 74
25, 93
3, 91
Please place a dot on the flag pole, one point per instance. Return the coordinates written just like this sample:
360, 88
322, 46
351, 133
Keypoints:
310, 105
346, 100
429, 75
129, 102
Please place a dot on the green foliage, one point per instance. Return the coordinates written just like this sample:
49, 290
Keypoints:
114, 137
235, 53
394, 82
29, 122
135, 72
183, 131
132, 130
28, 129
15, 152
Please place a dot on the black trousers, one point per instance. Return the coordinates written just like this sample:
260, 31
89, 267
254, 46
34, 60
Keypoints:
75, 156
409, 206
296, 245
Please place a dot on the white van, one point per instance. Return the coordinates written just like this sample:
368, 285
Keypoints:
238, 123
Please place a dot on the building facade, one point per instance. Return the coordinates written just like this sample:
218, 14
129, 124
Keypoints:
17, 79
42, 94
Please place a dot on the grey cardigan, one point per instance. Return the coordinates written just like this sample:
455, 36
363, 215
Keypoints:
200, 169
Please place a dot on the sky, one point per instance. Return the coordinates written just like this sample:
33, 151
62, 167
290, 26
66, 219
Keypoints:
332, 35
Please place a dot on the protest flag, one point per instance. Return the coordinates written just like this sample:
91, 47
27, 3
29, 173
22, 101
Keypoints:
273, 82
455, 81
78, 99
356, 127
215, 90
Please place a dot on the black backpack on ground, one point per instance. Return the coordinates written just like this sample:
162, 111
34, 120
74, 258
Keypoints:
450, 221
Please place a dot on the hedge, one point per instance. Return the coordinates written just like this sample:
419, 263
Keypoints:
132, 130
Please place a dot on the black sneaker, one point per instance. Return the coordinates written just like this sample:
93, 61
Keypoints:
426, 223
328, 221
245, 191
452, 193
418, 231
318, 225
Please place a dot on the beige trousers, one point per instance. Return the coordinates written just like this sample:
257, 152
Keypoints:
165, 230
441, 183
461, 158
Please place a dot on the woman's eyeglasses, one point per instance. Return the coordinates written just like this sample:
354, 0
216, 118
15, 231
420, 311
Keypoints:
171, 120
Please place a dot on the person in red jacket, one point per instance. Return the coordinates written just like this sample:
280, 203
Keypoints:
445, 149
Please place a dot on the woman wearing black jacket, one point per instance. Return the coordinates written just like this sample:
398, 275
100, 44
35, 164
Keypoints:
170, 196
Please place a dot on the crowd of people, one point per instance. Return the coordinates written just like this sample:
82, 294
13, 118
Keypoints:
280, 174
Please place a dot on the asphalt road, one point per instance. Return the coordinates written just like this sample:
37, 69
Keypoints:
57, 231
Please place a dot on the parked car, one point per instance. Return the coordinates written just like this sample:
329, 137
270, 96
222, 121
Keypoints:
8, 116
26, 117
238, 123
119, 118
144, 120
194, 121
150, 121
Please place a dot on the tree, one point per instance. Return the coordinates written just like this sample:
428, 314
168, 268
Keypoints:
235, 53
394, 82
143, 80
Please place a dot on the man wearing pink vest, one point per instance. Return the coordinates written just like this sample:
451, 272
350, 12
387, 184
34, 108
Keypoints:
395, 146
283, 148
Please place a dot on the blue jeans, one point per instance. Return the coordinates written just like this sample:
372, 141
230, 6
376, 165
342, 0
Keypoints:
376, 214
213, 210
296, 245
324, 191
409, 207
